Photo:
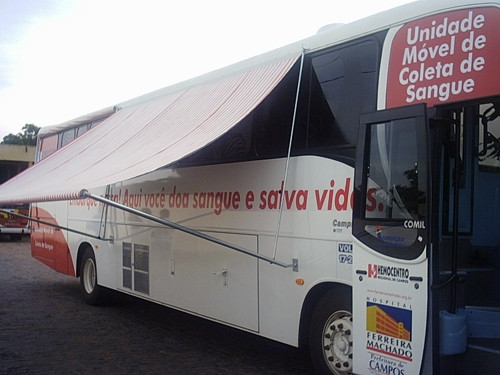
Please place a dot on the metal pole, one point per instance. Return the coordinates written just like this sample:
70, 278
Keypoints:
285, 177
86, 194
55, 225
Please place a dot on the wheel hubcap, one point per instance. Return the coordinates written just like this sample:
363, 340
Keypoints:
337, 342
89, 277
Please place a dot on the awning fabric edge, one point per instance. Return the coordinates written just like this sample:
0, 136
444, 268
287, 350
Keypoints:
88, 118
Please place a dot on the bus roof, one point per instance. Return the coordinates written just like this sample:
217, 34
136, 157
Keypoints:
325, 37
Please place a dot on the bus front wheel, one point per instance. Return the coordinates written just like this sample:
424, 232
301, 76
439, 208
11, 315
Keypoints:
331, 334
92, 292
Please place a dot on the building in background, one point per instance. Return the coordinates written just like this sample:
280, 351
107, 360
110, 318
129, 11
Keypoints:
13, 160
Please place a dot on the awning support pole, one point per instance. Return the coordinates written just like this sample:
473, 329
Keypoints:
55, 225
285, 177
293, 265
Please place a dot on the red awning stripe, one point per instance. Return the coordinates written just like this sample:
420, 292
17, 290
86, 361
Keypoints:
143, 137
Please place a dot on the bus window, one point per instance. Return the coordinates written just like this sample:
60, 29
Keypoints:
321, 121
273, 119
82, 129
236, 143
395, 200
66, 137
348, 81
393, 172
48, 146
392, 204
342, 85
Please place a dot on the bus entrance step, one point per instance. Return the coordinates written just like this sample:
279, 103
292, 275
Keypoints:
483, 322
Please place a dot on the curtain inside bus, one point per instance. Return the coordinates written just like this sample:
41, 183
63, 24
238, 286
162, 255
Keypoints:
146, 135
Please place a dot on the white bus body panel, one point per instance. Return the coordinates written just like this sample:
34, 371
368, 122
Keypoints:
187, 273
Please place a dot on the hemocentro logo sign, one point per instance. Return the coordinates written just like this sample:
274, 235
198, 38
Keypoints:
447, 57
390, 273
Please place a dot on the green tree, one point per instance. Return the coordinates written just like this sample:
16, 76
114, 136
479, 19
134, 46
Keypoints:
27, 137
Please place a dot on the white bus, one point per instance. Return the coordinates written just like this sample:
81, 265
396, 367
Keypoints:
340, 194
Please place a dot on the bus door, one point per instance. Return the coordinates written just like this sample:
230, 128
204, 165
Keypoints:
390, 265
466, 247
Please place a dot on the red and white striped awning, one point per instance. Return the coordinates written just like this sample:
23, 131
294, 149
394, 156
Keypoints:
143, 137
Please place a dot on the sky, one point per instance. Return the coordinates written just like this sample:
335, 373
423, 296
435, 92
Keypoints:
61, 59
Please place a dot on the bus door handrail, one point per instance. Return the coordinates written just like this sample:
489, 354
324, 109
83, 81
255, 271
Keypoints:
85, 194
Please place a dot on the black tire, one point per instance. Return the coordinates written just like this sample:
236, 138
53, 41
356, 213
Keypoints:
92, 292
331, 334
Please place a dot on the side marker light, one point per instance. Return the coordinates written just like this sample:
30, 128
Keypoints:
299, 281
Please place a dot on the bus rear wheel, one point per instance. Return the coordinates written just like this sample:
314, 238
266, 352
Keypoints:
92, 292
331, 334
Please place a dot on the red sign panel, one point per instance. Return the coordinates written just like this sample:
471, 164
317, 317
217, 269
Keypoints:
447, 57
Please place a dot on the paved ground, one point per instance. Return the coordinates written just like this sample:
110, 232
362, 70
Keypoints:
46, 328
